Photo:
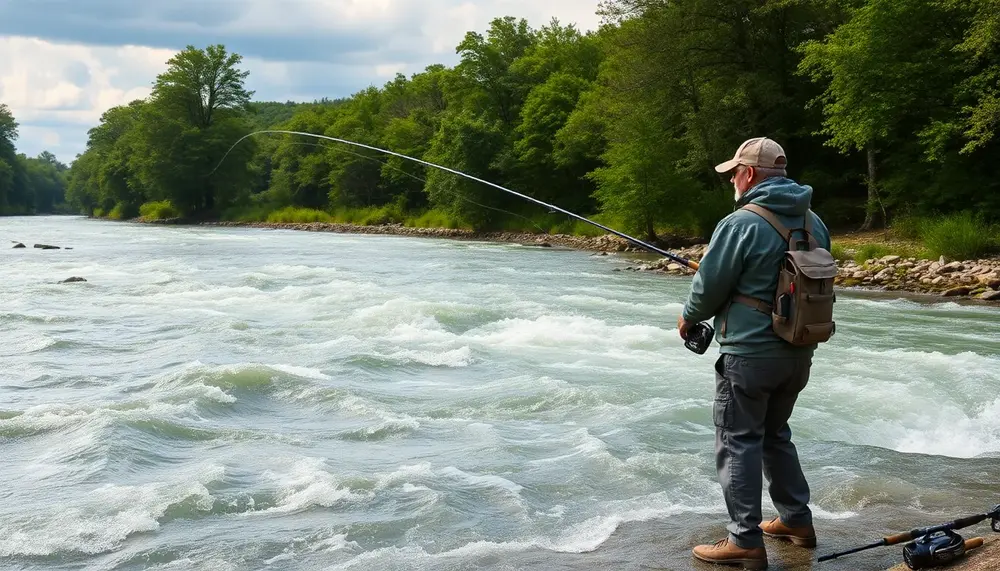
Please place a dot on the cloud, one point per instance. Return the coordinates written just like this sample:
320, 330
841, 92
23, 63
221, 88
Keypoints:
64, 62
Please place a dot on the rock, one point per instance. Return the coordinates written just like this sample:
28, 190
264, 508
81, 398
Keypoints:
942, 260
543, 244
967, 279
46, 247
883, 275
994, 284
938, 280
926, 281
957, 292
907, 265
674, 267
19, 245
887, 260
991, 296
72, 280
952, 267
859, 275
936, 266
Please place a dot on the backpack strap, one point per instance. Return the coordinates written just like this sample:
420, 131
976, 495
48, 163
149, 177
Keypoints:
771, 219
783, 230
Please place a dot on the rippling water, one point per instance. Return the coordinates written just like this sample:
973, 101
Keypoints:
250, 399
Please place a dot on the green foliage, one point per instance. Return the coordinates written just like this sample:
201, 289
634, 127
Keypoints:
291, 214
160, 210
839, 252
962, 236
889, 109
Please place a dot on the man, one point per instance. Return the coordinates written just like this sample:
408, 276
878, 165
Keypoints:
758, 375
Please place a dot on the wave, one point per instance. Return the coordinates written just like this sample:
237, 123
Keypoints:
103, 519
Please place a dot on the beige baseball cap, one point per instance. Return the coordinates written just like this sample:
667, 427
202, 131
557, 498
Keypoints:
757, 152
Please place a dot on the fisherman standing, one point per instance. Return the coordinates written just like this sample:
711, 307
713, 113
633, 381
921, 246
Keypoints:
759, 373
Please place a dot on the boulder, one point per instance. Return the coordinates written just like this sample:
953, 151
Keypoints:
674, 267
883, 275
991, 296
46, 247
952, 267
19, 245
938, 280
887, 260
72, 280
859, 275
957, 292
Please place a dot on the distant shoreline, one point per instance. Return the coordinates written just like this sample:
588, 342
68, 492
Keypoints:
970, 280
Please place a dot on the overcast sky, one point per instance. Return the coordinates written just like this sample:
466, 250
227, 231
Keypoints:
64, 62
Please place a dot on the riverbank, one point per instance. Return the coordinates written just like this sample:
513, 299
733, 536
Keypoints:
970, 279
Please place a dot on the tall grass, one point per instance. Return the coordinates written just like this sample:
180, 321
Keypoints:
293, 215
961, 236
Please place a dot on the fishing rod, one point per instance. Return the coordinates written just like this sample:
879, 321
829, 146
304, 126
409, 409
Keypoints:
699, 336
682, 261
930, 546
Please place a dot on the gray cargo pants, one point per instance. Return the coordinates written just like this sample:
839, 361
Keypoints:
754, 398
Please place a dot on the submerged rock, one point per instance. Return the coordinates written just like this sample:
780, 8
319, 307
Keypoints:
73, 279
19, 245
47, 247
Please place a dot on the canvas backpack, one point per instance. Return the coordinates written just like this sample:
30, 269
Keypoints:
802, 310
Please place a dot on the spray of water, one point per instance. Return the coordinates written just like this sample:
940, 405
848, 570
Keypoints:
636, 241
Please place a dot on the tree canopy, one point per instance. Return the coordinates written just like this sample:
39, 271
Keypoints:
886, 107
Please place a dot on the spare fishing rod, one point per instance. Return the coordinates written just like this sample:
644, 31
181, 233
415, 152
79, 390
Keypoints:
934, 545
699, 336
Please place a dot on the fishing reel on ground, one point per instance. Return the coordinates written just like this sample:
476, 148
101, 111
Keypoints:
936, 549
995, 521
699, 338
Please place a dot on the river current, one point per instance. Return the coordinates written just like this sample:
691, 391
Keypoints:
248, 399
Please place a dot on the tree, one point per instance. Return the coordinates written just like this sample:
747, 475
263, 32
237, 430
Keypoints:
197, 110
888, 71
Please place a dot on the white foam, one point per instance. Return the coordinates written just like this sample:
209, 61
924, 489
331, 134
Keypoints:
105, 517
308, 483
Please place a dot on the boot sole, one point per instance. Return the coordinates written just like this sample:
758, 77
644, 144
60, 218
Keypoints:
755, 564
796, 540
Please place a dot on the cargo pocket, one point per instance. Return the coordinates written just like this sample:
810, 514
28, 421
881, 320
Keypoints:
722, 408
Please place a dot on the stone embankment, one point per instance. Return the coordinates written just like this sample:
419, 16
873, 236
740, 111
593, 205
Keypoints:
979, 279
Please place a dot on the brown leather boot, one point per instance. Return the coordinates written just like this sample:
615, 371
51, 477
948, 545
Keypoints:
801, 536
726, 553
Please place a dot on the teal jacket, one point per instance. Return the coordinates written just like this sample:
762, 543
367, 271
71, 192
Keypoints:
743, 256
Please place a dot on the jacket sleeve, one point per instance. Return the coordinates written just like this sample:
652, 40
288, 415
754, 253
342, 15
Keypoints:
718, 273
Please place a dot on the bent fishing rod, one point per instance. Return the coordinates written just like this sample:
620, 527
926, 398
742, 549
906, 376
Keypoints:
682, 261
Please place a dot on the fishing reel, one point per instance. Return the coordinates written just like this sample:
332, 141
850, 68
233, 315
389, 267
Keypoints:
934, 550
995, 521
699, 338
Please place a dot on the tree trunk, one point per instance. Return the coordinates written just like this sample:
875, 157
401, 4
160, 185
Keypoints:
871, 207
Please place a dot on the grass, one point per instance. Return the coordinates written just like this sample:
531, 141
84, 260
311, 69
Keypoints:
962, 237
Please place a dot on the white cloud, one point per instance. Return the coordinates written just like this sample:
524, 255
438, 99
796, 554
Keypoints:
84, 58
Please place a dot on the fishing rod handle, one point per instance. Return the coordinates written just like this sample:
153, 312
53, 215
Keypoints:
973, 543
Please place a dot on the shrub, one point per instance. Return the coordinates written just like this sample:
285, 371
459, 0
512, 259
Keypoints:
961, 236
158, 210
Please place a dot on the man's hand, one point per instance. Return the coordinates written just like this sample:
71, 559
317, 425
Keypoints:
683, 326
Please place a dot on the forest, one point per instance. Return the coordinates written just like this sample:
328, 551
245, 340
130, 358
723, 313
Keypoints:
888, 108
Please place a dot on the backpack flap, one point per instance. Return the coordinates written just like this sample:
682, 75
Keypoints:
816, 264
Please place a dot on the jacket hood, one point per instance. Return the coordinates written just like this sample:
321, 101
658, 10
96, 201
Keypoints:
780, 195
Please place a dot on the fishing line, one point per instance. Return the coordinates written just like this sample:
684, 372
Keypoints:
689, 263
423, 180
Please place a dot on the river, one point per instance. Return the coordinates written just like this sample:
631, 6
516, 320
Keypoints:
237, 399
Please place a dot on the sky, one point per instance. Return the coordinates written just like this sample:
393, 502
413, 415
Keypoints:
64, 62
